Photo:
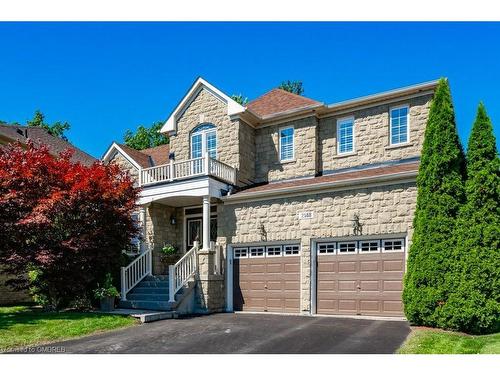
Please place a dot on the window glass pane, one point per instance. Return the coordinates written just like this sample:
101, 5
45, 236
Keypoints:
196, 148
212, 144
345, 136
326, 248
347, 247
286, 144
291, 249
273, 251
394, 245
399, 125
256, 252
368, 246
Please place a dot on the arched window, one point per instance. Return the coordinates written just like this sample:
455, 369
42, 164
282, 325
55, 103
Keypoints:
204, 139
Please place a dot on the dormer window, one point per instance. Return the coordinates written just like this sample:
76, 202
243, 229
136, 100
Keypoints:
204, 140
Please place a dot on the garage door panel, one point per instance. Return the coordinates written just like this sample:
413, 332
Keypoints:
362, 283
270, 283
346, 266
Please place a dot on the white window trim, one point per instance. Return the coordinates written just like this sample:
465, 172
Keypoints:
403, 247
360, 247
407, 125
353, 151
293, 144
240, 248
347, 242
327, 243
257, 256
273, 247
291, 255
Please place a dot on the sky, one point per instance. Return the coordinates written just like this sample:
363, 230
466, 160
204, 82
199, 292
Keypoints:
105, 78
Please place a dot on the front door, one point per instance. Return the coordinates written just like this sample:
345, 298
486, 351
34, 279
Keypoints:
194, 230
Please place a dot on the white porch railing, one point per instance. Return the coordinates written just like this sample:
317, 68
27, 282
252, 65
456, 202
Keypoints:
186, 169
132, 274
180, 273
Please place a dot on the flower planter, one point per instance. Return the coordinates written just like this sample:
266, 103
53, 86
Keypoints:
107, 303
170, 259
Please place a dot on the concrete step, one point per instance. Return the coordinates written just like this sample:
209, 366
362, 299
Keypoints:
156, 278
152, 284
146, 305
135, 296
150, 290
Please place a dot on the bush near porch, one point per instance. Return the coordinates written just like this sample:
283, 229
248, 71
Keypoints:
22, 326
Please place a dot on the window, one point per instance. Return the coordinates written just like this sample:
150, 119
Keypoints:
347, 247
256, 252
393, 245
291, 250
345, 135
204, 139
286, 144
273, 251
135, 243
240, 252
399, 125
368, 246
326, 248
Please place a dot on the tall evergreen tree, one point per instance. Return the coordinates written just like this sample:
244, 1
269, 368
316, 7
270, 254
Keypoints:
474, 304
440, 195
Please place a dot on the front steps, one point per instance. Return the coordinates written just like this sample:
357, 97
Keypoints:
152, 293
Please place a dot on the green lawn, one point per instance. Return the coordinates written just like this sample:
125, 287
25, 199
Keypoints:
430, 341
23, 326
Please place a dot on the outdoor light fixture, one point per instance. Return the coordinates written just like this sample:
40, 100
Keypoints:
356, 225
173, 220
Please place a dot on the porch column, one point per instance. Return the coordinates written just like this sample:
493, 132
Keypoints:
142, 211
206, 222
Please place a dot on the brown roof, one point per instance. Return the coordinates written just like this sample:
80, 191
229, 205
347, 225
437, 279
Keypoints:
159, 154
278, 101
41, 136
334, 178
148, 157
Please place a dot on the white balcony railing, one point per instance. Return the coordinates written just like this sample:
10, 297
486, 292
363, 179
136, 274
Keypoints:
186, 169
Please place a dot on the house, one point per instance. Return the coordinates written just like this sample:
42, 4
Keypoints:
285, 205
39, 136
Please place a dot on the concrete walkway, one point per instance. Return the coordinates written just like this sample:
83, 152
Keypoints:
249, 333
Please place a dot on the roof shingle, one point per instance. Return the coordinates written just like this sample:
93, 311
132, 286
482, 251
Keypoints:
278, 101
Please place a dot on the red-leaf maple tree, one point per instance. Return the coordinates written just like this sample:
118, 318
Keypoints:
66, 220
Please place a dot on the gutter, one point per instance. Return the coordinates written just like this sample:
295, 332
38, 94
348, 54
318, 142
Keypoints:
349, 184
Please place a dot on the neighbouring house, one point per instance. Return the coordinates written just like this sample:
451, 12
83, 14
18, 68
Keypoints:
285, 205
39, 136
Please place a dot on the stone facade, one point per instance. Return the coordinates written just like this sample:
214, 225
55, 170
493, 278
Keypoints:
371, 136
125, 165
246, 165
382, 210
268, 166
206, 108
210, 286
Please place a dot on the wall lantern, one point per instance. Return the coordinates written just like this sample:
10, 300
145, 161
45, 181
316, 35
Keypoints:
356, 225
173, 219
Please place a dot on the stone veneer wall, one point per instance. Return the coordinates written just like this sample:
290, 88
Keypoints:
371, 132
160, 231
210, 288
246, 141
125, 165
206, 108
268, 167
383, 210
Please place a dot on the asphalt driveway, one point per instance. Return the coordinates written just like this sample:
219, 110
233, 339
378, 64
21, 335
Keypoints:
248, 333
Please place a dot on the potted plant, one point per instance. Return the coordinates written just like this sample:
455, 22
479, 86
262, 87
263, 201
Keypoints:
169, 254
107, 294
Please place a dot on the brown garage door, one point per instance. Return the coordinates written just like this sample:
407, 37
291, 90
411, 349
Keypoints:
267, 278
360, 277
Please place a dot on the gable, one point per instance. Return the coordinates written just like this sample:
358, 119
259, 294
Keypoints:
200, 85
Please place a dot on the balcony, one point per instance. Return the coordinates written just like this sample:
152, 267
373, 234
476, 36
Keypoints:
180, 170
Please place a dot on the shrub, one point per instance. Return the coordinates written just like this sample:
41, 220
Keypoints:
474, 303
67, 222
440, 195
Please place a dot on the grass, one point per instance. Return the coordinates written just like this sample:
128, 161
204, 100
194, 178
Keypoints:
433, 341
22, 326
